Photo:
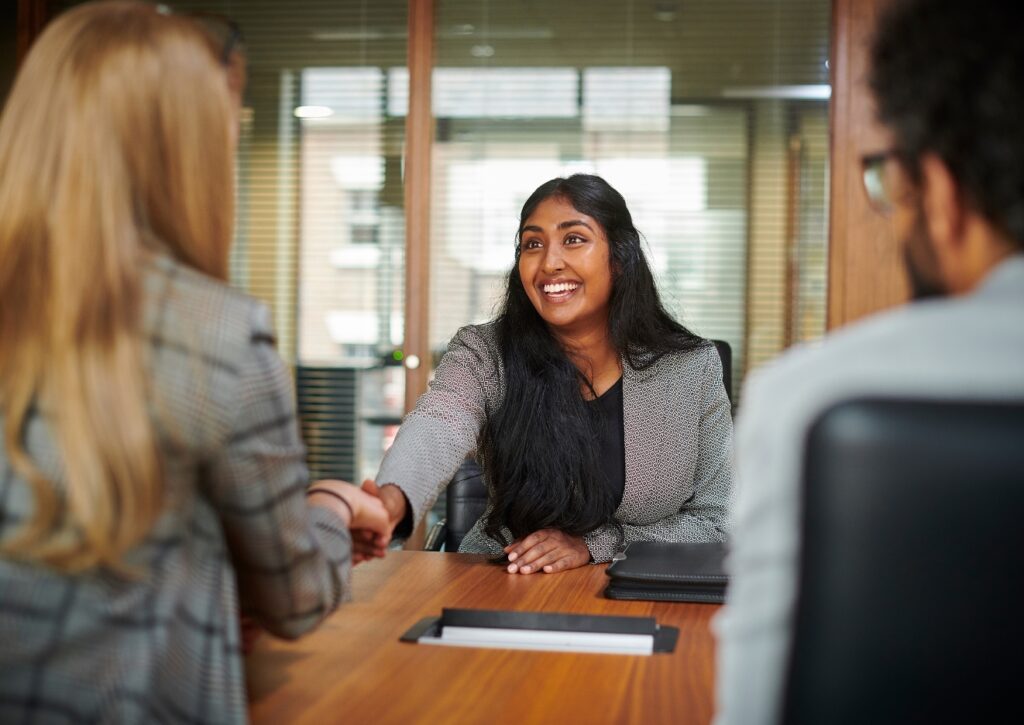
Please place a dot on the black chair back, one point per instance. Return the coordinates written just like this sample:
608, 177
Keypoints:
466, 502
725, 353
910, 604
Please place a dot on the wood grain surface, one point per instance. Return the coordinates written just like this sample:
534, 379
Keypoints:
354, 669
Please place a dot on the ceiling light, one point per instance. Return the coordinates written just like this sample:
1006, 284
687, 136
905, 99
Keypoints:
313, 111
809, 92
665, 11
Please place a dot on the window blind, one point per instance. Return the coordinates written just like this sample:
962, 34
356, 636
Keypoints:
320, 230
710, 117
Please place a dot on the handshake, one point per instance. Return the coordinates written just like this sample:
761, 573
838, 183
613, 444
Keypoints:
370, 512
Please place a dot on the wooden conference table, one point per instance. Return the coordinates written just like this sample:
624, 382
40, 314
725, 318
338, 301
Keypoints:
354, 669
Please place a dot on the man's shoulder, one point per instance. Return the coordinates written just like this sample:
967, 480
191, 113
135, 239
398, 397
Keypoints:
960, 346
851, 346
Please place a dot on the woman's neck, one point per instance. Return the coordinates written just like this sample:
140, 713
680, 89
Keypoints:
594, 354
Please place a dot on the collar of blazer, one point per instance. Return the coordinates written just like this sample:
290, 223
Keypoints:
631, 376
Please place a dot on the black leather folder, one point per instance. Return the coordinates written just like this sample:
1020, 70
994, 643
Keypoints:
430, 629
669, 572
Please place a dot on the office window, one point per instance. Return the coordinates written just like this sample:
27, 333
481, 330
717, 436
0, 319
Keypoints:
709, 117
320, 230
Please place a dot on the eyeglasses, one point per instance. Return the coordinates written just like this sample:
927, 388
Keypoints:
225, 33
884, 180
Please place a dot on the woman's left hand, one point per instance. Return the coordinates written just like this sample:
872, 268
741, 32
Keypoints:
547, 550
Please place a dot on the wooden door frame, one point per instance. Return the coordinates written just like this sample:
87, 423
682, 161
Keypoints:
419, 137
32, 18
865, 264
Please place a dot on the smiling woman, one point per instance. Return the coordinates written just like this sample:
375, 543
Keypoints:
565, 270
598, 419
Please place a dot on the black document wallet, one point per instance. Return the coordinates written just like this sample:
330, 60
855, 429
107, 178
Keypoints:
669, 572
551, 631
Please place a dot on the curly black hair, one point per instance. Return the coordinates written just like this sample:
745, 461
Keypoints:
948, 78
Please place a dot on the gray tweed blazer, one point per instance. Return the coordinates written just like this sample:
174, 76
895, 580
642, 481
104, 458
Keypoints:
164, 647
678, 441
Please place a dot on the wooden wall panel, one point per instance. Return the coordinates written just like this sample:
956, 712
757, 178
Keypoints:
419, 136
32, 16
865, 264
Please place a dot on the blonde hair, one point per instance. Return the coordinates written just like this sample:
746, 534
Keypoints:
115, 144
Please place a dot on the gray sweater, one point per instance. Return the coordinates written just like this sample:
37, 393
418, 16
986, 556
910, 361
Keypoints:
678, 442
969, 347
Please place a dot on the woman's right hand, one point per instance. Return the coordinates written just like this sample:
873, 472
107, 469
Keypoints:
392, 497
368, 520
367, 544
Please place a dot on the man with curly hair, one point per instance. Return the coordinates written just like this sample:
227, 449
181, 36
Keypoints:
948, 79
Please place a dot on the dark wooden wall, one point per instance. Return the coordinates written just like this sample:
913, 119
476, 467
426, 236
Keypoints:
865, 266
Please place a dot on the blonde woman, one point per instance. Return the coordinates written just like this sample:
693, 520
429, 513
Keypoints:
151, 472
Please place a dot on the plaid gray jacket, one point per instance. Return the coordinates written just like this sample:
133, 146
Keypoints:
678, 443
164, 647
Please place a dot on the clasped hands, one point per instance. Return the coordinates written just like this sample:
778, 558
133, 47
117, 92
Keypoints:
371, 513
378, 510
362, 510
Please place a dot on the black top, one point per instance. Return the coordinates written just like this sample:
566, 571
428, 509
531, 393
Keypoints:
611, 438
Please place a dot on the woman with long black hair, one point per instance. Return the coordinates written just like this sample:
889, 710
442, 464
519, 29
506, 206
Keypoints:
597, 418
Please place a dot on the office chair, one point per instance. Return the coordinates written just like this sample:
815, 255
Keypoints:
909, 606
725, 355
466, 496
465, 502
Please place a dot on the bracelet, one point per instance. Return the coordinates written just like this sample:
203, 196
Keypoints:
329, 492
